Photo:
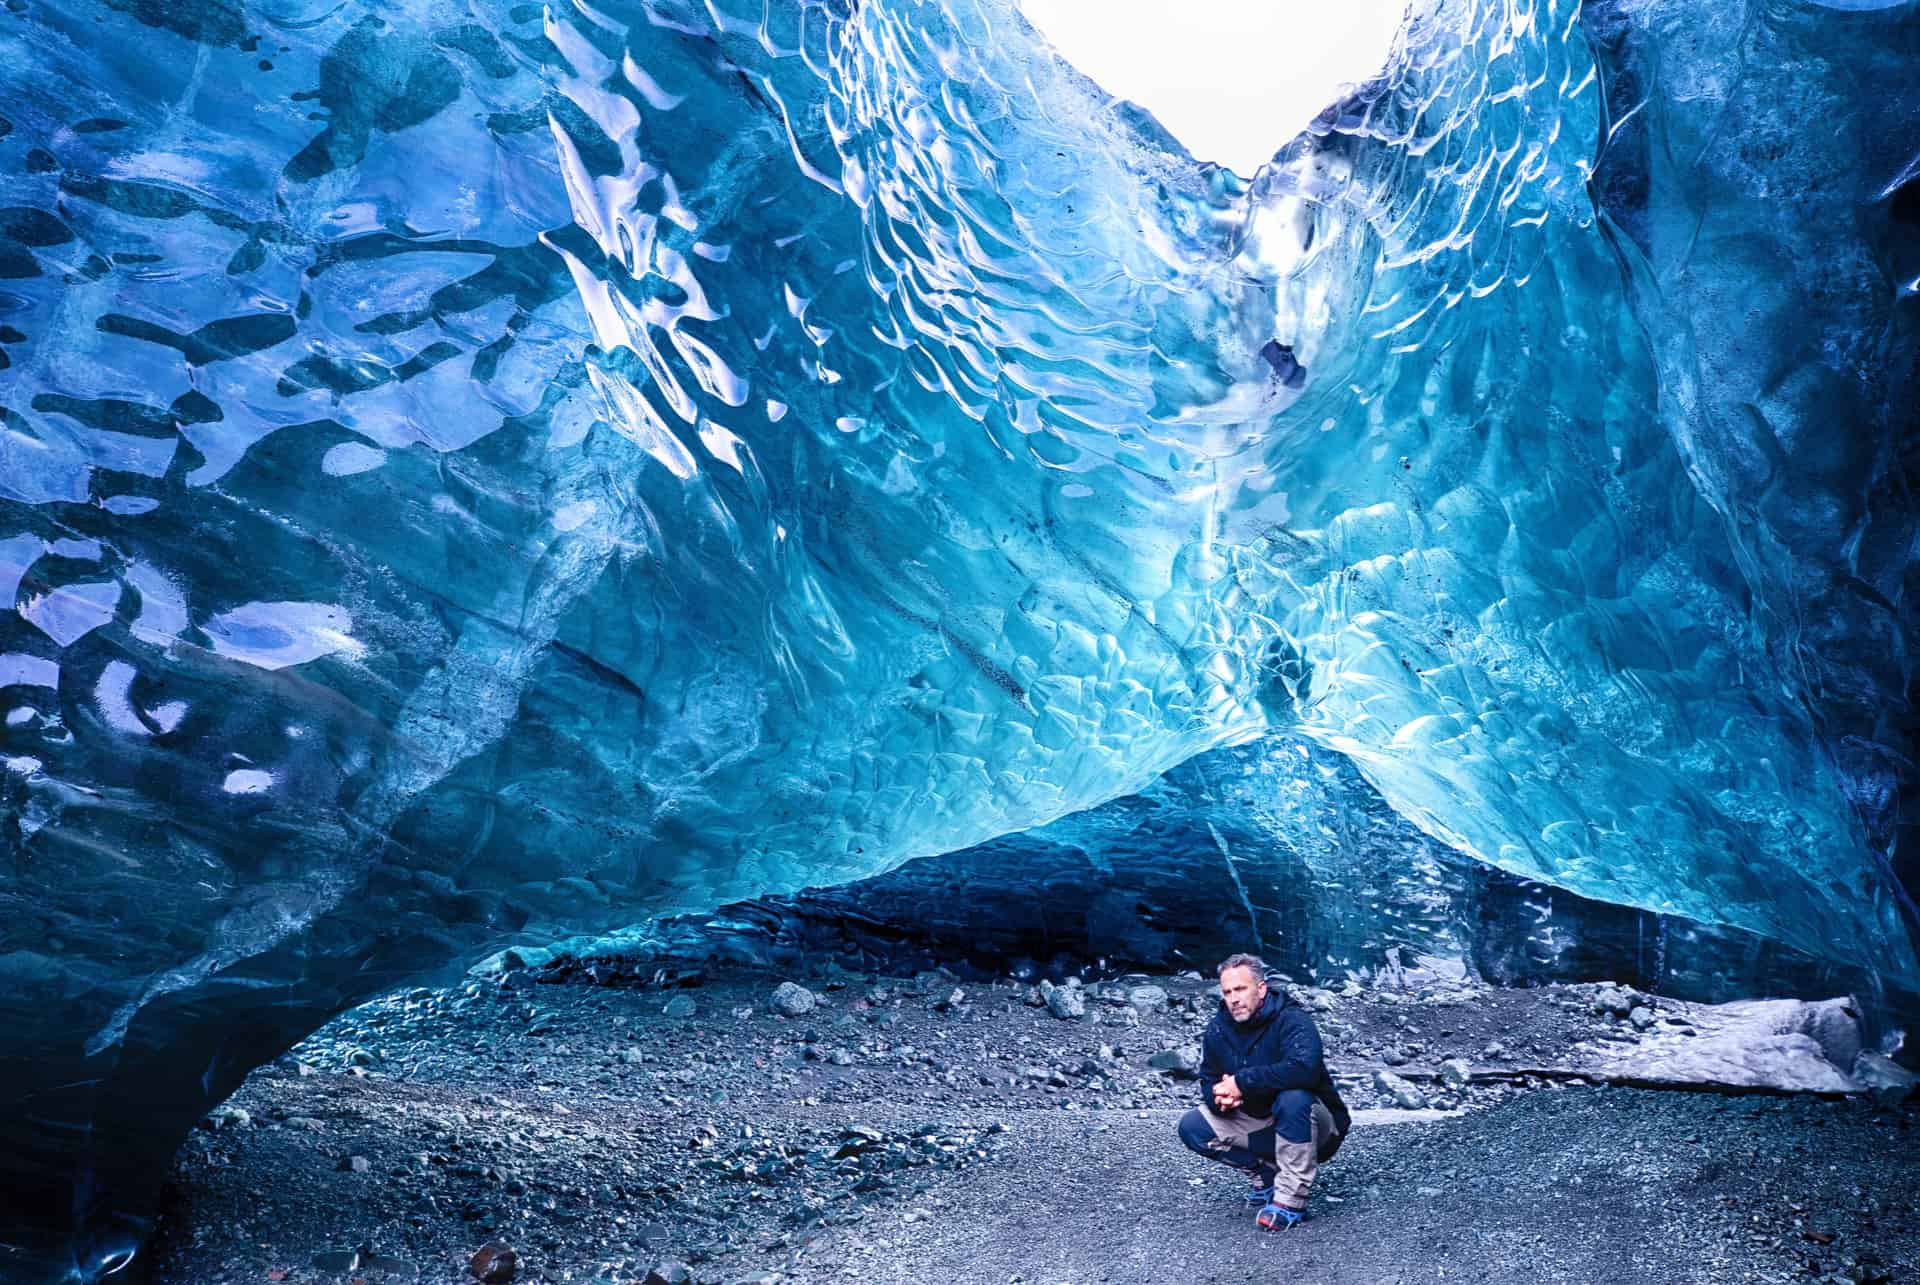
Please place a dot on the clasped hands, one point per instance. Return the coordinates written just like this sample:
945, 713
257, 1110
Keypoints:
1226, 1094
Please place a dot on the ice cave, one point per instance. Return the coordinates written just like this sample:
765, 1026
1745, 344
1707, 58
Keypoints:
482, 474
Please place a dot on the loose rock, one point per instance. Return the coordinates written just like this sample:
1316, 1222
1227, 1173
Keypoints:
1182, 1063
1404, 1095
1147, 999
494, 1263
1885, 1078
792, 1000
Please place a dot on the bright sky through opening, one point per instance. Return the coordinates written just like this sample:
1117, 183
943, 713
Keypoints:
1232, 79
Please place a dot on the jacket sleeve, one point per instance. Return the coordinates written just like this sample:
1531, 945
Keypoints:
1211, 1066
1300, 1061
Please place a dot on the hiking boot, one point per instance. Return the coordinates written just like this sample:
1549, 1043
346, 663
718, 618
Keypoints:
1261, 1192
1278, 1218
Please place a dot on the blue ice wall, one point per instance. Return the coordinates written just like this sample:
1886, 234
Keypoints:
470, 470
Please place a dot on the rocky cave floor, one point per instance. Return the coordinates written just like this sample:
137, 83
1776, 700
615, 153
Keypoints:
623, 1126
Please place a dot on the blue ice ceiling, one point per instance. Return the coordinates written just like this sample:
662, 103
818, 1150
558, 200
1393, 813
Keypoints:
470, 469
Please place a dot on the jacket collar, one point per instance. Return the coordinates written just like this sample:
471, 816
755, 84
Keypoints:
1269, 1009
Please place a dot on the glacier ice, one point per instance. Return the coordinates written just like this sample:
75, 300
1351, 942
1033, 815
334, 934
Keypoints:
1277, 845
487, 470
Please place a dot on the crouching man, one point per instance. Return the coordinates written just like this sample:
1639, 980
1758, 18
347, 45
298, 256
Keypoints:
1268, 1105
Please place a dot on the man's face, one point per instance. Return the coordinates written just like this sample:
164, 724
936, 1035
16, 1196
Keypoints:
1243, 992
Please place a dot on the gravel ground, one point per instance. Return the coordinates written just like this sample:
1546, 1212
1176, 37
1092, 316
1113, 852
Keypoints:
916, 1130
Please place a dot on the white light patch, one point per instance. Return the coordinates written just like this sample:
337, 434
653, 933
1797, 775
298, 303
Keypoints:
570, 517
1232, 79
112, 694
721, 444
349, 458
17, 670
248, 780
275, 635
70, 612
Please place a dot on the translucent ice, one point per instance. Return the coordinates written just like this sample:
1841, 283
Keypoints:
524, 471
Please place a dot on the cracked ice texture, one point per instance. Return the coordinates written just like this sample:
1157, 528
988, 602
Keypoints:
471, 470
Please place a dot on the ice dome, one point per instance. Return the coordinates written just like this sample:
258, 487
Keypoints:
480, 473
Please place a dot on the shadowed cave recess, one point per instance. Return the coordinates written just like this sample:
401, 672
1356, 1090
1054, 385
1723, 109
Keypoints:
477, 473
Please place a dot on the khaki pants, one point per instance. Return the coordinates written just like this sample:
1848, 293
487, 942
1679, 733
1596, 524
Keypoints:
1256, 1142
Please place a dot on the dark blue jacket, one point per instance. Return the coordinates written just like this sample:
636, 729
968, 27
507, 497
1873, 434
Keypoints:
1276, 1049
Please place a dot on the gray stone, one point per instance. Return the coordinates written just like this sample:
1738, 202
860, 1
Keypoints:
1455, 1073
680, 1006
792, 1000
1395, 1056
1616, 1000
1773, 1044
1404, 1095
932, 980
1834, 1024
1641, 1017
1067, 1003
672, 1272
505, 961
228, 1117
1883, 1077
355, 1164
1147, 999
632, 1057
1182, 1063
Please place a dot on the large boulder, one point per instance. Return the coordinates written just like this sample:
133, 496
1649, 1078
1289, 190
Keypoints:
1786, 1044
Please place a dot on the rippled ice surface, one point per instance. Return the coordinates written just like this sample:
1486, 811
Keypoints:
478, 469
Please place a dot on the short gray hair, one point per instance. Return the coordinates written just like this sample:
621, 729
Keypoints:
1254, 962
